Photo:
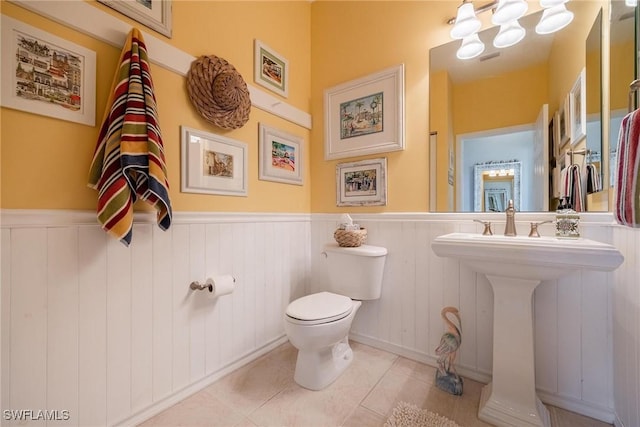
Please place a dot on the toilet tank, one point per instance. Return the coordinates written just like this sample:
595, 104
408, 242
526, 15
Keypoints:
355, 272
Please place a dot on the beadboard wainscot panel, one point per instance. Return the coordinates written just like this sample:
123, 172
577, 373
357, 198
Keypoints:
113, 334
573, 343
626, 329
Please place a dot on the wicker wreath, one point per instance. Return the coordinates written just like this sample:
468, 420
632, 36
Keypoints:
218, 92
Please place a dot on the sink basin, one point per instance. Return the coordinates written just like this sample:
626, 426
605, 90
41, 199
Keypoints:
541, 258
515, 266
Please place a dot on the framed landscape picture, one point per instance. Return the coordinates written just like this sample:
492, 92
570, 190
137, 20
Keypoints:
271, 70
366, 115
213, 164
155, 14
281, 156
362, 183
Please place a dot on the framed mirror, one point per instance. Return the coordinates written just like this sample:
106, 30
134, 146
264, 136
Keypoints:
495, 183
502, 94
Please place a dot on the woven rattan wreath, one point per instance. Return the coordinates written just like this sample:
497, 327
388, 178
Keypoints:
218, 92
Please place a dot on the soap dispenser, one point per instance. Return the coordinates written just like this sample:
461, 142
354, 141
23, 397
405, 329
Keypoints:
567, 221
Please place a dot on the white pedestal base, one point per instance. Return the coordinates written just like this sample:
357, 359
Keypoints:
510, 399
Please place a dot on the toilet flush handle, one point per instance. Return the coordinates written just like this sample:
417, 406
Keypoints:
324, 254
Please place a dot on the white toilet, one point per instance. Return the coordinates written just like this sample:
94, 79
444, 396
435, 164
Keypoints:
318, 324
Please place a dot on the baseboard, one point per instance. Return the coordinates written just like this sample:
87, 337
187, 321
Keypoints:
195, 387
580, 407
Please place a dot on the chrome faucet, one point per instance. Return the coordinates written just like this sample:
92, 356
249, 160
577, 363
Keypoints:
510, 226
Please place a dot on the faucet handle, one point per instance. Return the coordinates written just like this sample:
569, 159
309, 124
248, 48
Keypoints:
487, 227
534, 228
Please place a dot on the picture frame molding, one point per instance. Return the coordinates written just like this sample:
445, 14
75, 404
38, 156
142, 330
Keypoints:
378, 198
389, 82
160, 22
261, 50
87, 113
266, 170
190, 164
578, 109
564, 122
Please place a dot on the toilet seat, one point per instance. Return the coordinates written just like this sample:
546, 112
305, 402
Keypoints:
322, 307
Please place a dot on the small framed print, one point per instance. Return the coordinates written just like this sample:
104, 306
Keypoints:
47, 75
281, 156
213, 164
271, 70
155, 14
362, 183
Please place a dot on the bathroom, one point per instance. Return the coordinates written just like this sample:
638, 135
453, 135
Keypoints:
112, 333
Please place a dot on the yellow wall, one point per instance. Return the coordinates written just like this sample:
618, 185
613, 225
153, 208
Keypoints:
45, 161
353, 39
440, 122
488, 103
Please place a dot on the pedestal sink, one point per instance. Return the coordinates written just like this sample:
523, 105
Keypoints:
515, 266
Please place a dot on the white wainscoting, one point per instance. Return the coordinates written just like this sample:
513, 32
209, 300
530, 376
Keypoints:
626, 329
114, 334
572, 315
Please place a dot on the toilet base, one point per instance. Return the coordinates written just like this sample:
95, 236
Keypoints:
317, 369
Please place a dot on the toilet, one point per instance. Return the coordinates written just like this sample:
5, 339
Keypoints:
318, 324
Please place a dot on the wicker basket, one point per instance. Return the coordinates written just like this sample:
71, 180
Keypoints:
350, 238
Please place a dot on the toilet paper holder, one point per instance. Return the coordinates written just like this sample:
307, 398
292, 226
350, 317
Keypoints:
208, 285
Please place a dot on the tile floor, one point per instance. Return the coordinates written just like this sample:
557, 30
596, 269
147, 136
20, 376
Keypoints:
263, 393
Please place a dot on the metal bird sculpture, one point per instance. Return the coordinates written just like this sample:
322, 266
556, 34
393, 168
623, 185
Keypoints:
447, 378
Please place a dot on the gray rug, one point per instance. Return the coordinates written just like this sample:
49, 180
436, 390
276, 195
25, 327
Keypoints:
409, 415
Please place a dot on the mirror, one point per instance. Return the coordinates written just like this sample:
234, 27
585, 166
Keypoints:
593, 86
500, 97
495, 183
622, 71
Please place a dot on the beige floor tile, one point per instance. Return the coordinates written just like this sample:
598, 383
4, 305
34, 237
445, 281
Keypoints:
417, 370
299, 407
201, 409
562, 418
251, 386
362, 417
394, 388
263, 393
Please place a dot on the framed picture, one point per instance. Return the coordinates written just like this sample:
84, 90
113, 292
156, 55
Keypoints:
213, 164
365, 116
281, 156
362, 183
578, 106
47, 75
271, 70
564, 126
155, 14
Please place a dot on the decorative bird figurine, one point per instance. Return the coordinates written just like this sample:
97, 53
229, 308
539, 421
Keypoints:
447, 378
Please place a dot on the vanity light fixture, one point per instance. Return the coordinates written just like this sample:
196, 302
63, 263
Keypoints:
466, 22
471, 47
554, 19
509, 34
506, 13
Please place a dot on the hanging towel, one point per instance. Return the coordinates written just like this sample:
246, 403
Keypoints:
626, 204
129, 157
594, 183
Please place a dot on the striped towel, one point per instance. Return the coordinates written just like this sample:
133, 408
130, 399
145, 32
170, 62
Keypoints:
129, 158
627, 197
571, 188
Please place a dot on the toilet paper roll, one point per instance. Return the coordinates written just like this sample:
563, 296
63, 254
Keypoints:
220, 285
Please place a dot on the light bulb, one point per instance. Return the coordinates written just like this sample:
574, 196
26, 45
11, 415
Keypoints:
509, 34
470, 48
554, 19
466, 22
631, 3
508, 10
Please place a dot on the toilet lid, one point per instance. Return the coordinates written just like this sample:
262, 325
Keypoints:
325, 306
